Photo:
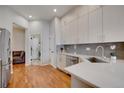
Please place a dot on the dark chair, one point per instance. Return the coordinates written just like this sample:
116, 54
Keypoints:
18, 57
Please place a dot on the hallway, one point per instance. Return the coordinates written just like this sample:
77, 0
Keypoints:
38, 77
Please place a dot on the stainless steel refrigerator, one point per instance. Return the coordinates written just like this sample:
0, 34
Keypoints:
5, 55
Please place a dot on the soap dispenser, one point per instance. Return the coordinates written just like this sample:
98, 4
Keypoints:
113, 58
62, 50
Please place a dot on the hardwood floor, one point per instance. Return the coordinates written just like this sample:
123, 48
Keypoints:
38, 77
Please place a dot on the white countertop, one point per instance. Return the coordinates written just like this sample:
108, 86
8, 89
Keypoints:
105, 75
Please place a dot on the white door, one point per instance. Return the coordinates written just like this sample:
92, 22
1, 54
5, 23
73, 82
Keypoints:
35, 48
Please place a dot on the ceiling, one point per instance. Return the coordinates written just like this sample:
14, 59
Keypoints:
44, 12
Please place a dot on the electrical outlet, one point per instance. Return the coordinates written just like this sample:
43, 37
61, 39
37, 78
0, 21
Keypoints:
88, 48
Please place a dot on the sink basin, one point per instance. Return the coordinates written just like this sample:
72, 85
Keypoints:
95, 60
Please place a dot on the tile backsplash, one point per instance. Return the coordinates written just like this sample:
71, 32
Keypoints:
90, 49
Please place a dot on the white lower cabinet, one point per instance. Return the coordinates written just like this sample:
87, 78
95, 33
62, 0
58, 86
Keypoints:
67, 60
61, 62
77, 83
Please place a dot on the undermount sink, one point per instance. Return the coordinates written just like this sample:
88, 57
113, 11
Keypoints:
95, 60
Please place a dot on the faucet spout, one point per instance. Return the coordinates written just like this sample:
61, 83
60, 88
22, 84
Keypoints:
102, 50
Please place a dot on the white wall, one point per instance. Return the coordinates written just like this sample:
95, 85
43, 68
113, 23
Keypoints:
45, 42
52, 43
42, 28
7, 18
55, 39
35, 27
18, 39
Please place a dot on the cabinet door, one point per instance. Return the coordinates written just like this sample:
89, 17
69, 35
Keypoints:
83, 29
113, 23
70, 32
73, 32
62, 62
57, 31
65, 33
95, 26
59, 62
62, 33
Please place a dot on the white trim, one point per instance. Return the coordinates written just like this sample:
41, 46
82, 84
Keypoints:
53, 66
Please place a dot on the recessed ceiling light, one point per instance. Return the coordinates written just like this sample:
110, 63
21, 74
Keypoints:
30, 16
54, 10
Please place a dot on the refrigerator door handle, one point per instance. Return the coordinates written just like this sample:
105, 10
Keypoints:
1, 61
0, 73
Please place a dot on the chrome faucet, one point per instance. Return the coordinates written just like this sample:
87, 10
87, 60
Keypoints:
102, 50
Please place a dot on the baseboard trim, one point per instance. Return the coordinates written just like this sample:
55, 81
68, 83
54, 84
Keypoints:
53, 66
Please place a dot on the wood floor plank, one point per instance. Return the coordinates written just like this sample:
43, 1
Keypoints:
38, 77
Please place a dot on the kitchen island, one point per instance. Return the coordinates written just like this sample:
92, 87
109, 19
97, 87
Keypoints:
102, 75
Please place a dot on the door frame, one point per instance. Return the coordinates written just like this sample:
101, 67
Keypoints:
25, 29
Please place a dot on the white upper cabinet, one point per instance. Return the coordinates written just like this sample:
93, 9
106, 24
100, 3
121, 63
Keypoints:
65, 34
57, 30
69, 32
95, 26
83, 29
113, 23
73, 31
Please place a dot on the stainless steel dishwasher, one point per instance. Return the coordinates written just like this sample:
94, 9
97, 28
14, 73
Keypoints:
71, 60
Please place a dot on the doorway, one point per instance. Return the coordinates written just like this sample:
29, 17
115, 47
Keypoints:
18, 44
